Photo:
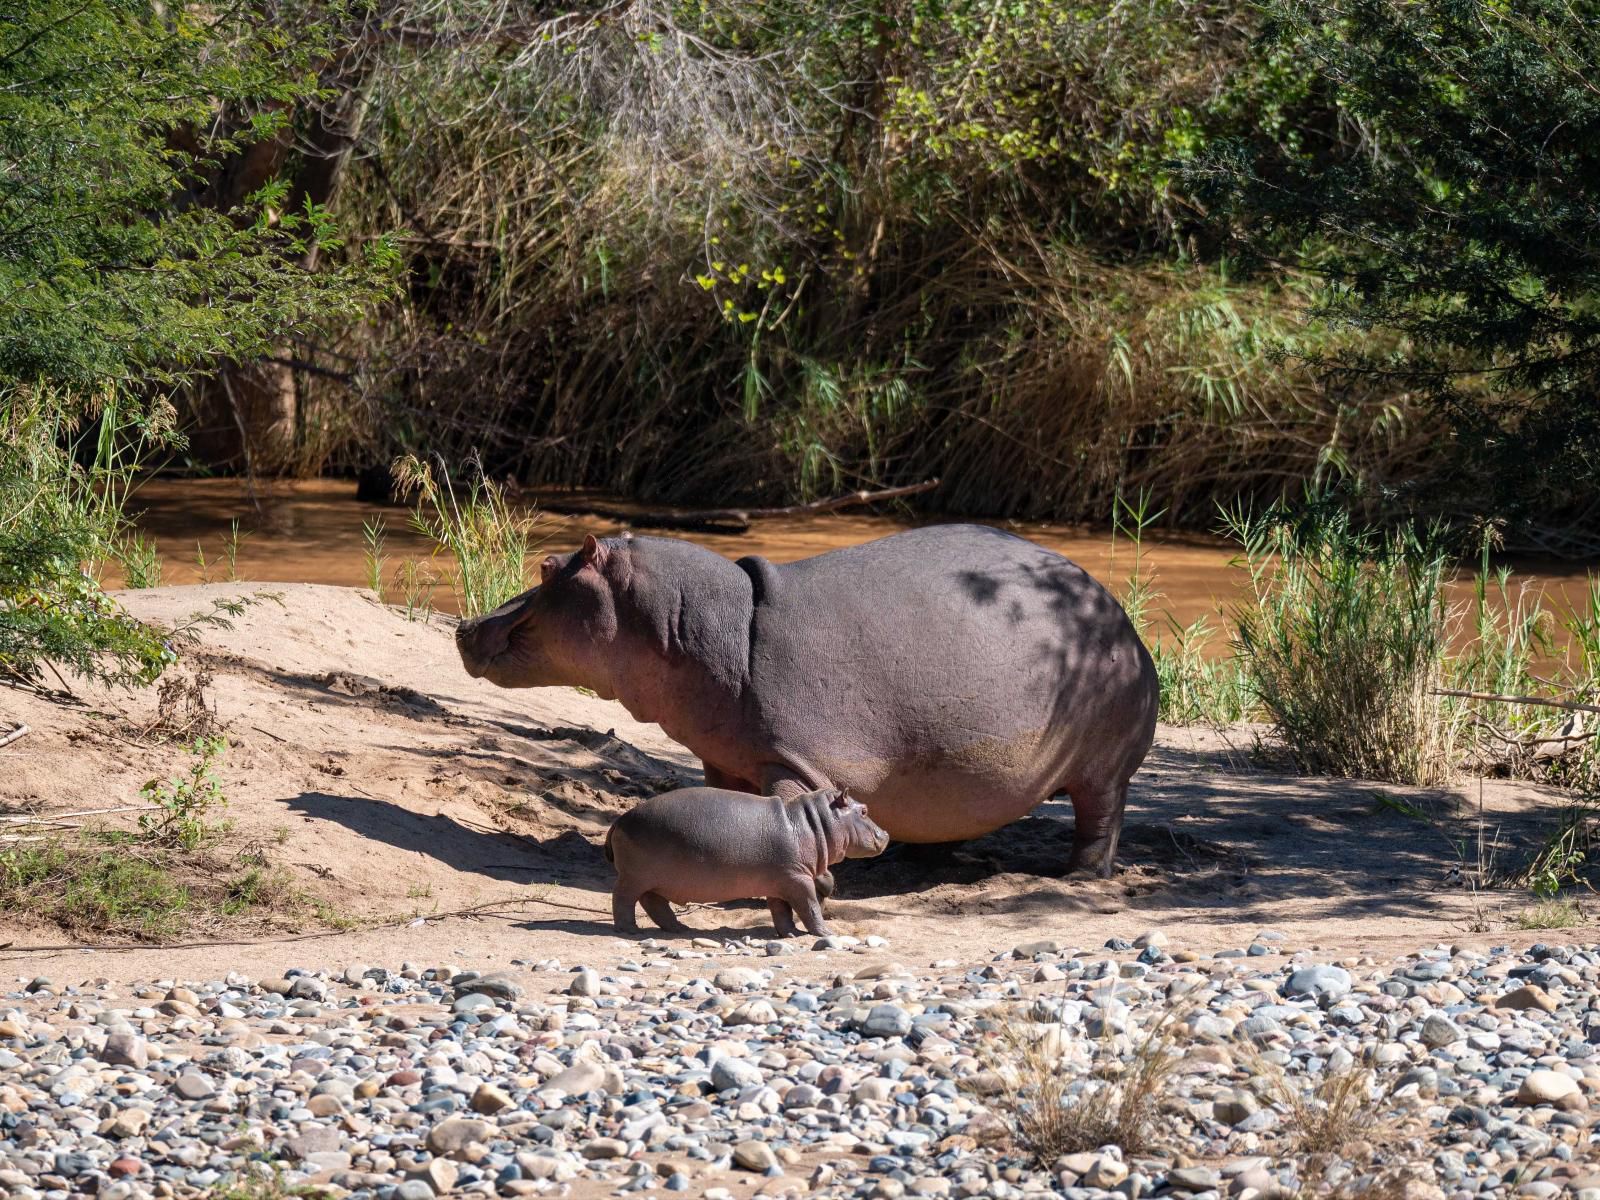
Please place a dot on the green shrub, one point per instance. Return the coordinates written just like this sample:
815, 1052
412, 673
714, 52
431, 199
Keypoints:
186, 802
1344, 639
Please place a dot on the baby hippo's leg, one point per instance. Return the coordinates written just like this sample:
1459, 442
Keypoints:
782, 917
802, 896
661, 913
622, 902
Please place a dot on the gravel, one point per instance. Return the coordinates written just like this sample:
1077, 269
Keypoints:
723, 1070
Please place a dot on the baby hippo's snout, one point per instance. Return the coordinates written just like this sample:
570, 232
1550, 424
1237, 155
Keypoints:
863, 837
700, 845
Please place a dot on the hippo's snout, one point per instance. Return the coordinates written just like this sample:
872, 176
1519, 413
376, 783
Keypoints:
865, 837
481, 640
870, 846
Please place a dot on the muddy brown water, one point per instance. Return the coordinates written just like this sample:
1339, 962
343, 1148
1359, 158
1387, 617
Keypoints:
312, 532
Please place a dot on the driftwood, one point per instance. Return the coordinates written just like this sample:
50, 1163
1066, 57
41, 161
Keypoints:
54, 818
731, 520
1568, 705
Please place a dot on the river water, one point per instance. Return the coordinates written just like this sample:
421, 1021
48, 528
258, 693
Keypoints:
312, 532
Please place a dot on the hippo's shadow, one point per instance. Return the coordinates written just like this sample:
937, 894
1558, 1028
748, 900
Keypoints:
567, 858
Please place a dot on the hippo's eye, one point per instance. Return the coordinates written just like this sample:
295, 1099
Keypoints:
547, 569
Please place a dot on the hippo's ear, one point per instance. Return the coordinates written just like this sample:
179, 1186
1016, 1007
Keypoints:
594, 554
548, 568
840, 801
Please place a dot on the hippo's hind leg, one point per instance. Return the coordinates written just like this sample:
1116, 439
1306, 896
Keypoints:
1098, 815
622, 903
782, 917
659, 911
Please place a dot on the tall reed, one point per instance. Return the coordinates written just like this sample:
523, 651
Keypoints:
488, 539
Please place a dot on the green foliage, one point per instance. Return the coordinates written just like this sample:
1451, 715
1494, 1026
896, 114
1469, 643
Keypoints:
1452, 203
187, 802
873, 242
109, 123
1344, 641
488, 539
58, 519
1199, 686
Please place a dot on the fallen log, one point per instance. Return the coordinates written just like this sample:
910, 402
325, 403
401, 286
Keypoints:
731, 520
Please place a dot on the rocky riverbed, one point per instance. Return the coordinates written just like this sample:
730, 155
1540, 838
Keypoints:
734, 1068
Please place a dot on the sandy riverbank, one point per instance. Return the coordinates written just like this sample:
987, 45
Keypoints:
365, 763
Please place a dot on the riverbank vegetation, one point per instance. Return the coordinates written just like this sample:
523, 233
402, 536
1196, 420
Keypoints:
739, 252
1348, 645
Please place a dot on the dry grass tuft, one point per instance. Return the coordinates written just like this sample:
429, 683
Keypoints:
1551, 914
1339, 1110
183, 711
1055, 1110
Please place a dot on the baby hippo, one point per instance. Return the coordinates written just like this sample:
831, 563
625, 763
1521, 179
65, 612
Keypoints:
706, 844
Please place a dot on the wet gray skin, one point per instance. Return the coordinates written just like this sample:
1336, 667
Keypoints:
951, 677
702, 845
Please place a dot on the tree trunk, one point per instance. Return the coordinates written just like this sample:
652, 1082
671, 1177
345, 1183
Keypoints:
250, 416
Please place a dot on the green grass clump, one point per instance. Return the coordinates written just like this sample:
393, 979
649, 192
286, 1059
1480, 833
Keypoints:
1196, 687
1344, 640
140, 562
94, 891
489, 541
1551, 914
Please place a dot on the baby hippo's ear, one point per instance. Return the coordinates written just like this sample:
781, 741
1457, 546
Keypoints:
594, 552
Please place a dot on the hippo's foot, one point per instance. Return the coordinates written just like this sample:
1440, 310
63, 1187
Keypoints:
1099, 825
782, 917
1093, 860
809, 909
659, 911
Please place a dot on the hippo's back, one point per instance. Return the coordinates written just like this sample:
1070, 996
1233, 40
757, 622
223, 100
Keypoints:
953, 675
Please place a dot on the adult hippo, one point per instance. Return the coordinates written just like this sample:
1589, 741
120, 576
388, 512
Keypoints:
951, 677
